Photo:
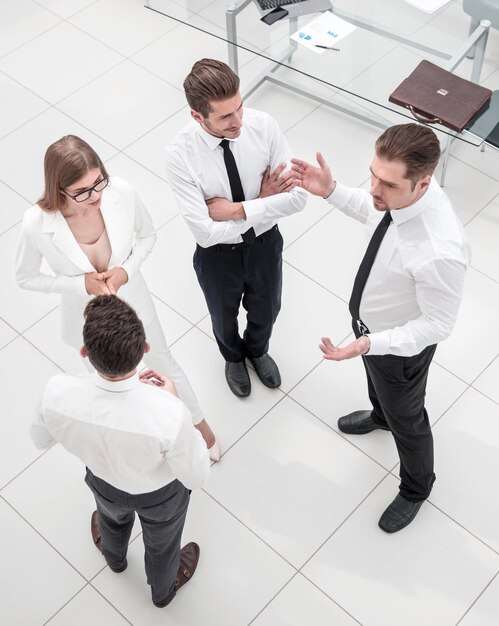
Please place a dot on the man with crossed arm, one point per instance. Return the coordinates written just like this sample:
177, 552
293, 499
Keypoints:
231, 185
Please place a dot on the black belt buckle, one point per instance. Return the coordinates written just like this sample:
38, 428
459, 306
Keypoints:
363, 330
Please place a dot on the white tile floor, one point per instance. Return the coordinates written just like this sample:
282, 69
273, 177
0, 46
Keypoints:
288, 521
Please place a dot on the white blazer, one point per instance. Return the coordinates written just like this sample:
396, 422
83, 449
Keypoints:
47, 236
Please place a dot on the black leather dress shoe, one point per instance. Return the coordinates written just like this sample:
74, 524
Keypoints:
358, 423
267, 370
399, 514
238, 378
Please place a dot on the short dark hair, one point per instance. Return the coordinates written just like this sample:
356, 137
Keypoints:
414, 145
209, 81
113, 336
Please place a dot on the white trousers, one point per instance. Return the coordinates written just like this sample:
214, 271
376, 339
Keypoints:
161, 359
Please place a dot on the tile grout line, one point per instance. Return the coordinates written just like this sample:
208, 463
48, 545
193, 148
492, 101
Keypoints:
88, 585
342, 523
65, 604
250, 530
45, 540
477, 598
295, 574
273, 598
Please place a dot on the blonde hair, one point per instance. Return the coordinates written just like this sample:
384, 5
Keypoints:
66, 161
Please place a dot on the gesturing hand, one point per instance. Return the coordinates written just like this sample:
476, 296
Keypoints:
95, 284
356, 348
115, 278
156, 379
317, 180
273, 183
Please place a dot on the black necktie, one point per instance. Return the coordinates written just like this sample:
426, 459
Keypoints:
236, 186
364, 271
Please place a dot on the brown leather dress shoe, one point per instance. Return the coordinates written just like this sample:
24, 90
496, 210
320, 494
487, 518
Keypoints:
96, 536
189, 557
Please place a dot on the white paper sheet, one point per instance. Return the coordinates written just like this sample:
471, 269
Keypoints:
428, 6
325, 30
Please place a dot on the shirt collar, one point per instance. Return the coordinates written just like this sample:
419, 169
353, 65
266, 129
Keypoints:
116, 385
408, 213
210, 140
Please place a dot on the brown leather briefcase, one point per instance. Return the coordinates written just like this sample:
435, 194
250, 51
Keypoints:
436, 96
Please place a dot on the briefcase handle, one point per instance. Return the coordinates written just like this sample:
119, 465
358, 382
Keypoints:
422, 118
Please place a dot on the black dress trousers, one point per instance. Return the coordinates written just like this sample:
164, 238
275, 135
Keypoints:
397, 389
247, 273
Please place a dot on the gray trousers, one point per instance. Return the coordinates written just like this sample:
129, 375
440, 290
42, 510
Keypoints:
162, 517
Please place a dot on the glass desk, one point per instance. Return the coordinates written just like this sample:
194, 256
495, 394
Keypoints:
353, 81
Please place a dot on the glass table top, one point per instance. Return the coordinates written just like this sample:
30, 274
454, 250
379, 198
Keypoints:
390, 39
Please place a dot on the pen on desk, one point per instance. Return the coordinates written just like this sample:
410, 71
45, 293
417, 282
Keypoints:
326, 47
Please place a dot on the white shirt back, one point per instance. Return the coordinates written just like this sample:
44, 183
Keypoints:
134, 436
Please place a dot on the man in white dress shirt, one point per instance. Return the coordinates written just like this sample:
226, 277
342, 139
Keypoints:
229, 177
405, 298
136, 438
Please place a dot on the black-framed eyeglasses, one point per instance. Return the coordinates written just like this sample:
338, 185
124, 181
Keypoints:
85, 195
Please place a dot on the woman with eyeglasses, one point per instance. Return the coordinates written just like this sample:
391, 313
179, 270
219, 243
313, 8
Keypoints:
94, 233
